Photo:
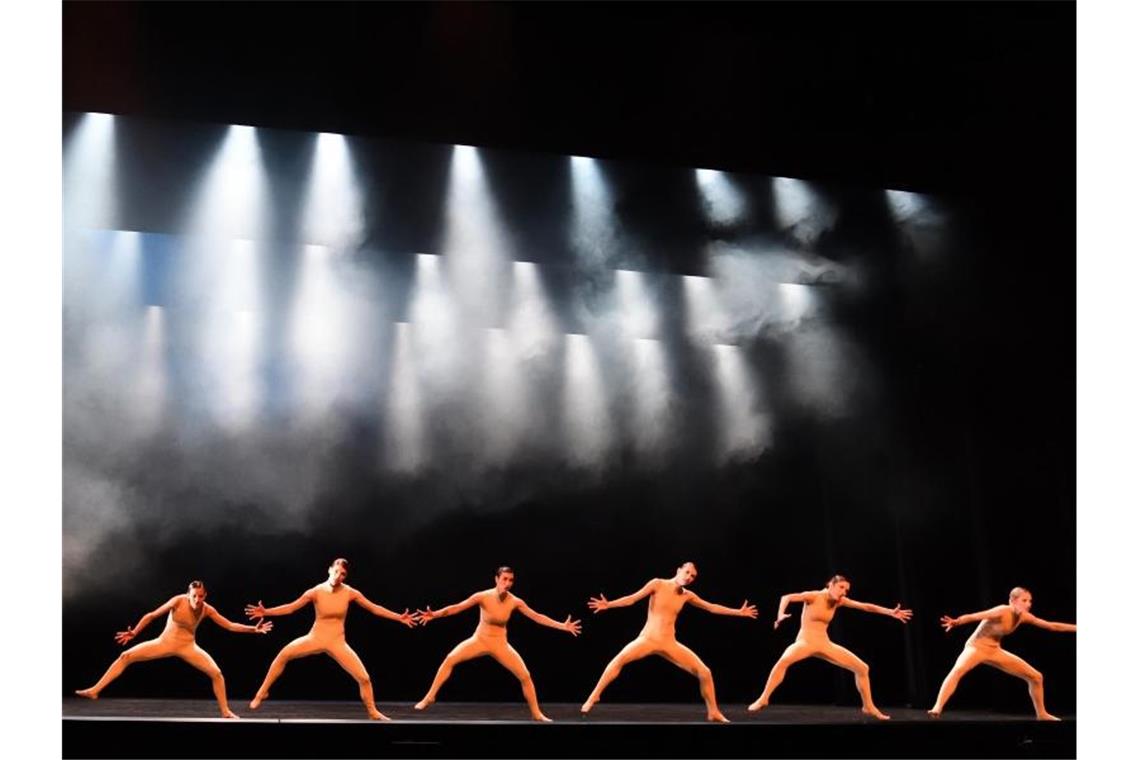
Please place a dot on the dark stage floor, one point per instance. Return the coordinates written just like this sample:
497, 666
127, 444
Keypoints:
191, 728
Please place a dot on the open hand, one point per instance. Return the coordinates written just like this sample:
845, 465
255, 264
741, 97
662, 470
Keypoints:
123, 637
748, 610
898, 613
948, 622
263, 626
423, 617
408, 618
599, 603
572, 626
255, 610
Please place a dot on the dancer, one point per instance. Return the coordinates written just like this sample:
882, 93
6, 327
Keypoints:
490, 637
812, 639
177, 640
330, 601
659, 636
984, 647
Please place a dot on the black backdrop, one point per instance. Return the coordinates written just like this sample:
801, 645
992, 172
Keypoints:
957, 483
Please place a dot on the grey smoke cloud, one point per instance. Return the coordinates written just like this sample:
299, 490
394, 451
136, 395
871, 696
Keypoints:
231, 394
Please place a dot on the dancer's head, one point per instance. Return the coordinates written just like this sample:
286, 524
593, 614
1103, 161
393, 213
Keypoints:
686, 573
338, 571
196, 591
838, 587
1020, 599
504, 579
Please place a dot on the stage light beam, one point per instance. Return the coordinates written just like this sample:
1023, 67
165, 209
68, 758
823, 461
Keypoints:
588, 427
89, 174
723, 203
333, 210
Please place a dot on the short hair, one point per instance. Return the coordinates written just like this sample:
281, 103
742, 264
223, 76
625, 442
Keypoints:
504, 569
838, 579
690, 562
1017, 591
197, 585
340, 561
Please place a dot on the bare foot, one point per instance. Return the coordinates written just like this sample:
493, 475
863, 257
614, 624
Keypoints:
87, 693
230, 714
424, 704
377, 715
875, 712
758, 705
934, 713
541, 718
588, 705
717, 717
256, 701
1047, 716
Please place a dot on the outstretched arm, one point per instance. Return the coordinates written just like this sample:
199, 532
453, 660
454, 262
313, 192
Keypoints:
745, 610
263, 626
259, 610
974, 617
423, 617
406, 618
785, 600
898, 613
570, 626
600, 603
1048, 625
124, 636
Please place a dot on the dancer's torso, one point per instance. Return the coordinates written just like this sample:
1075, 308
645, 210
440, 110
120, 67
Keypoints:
330, 607
494, 614
989, 633
816, 616
665, 603
183, 620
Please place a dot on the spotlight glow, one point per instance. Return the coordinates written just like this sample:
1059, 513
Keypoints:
430, 307
639, 318
794, 200
476, 243
904, 205
320, 331
593, 227
235, 355
506, 399
724, 204
705, 319
151, 383
797, 302
405, 443
744, 430
801, 210
532, 325
230, 202
652, 400
230, 339
89, 175
333, 210
588, 428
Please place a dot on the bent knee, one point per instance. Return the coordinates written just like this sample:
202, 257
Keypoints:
703, 672
524, 677
861, 669
1035, 677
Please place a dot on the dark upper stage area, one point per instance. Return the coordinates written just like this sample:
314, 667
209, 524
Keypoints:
937, 97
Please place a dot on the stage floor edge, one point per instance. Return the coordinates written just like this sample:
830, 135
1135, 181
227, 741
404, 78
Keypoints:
131, 728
